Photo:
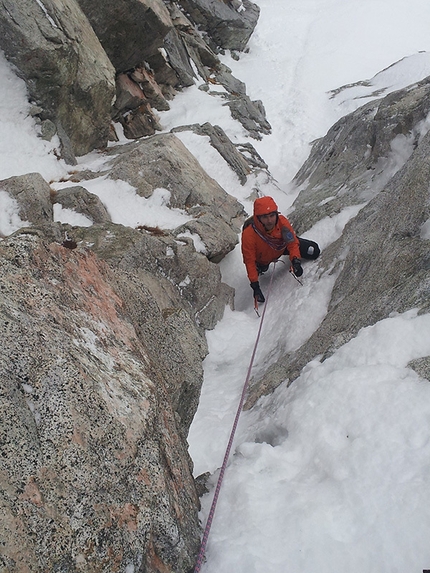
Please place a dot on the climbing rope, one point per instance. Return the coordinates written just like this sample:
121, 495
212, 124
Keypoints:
230, 441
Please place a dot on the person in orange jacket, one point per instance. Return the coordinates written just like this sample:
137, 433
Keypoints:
268, 235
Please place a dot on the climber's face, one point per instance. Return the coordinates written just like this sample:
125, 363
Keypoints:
268, 221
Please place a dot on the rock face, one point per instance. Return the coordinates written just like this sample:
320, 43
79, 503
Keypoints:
377, 157
95, 474
360, 154
229, 23
88, 63
66, 70
101, 365
178, 277
216, 215
129, 31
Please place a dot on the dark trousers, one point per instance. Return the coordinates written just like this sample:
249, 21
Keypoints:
308, 249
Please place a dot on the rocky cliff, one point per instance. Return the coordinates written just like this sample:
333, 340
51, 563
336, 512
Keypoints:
103, 327
95, 473
101, 369
87, 62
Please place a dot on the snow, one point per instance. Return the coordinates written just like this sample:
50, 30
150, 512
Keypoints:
331, 473
10, 221
20, 150
71, 217
126, 207
199, 245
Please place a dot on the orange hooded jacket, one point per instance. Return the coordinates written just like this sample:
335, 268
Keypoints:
260, 246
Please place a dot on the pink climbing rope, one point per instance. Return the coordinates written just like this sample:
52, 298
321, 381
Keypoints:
230, 441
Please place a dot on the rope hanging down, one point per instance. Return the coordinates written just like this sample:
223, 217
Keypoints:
230, 442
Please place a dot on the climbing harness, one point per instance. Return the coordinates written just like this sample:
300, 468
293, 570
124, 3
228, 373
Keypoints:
230, 442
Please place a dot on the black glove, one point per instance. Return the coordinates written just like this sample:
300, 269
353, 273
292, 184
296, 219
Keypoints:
297, 267
258, 295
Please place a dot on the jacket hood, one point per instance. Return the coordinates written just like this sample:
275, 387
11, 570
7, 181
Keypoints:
264, 205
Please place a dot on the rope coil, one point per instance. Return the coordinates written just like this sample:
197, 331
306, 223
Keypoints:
230, 441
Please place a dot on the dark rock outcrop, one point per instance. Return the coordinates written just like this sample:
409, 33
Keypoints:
228, 23
66, 70
130, 31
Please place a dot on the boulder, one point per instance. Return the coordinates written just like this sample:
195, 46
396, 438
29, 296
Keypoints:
55, 40
163, 161
33, 195
130, 31
82, 201
229, 24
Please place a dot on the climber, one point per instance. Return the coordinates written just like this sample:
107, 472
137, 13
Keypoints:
268, 235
